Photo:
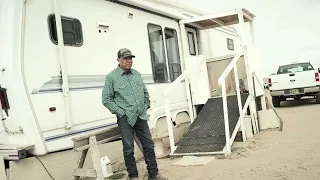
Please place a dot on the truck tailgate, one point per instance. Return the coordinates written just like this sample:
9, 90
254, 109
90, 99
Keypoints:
293, 80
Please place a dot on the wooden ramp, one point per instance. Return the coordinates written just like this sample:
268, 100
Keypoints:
207, 133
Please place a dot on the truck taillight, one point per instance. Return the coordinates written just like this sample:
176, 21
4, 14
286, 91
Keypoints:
270, 84
317, 76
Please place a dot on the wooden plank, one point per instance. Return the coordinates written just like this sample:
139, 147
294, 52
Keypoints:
81, 161
96, 158
102, 134
221, 19
85, 173
81, 148
214, 16
93, 133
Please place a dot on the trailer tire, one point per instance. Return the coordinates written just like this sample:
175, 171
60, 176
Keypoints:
276, 101
318, 99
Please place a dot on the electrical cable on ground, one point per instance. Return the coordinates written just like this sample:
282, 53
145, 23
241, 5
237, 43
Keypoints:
44, 167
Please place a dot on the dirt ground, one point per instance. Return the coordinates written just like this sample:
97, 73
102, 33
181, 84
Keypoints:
290, 154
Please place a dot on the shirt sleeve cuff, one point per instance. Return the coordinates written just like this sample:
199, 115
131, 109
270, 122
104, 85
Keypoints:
121, 113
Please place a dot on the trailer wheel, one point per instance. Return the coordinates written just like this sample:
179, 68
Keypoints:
276, 101
318, 99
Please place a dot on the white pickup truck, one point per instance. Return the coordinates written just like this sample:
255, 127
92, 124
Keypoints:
294, 81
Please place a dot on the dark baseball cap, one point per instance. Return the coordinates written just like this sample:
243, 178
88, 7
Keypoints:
124, 52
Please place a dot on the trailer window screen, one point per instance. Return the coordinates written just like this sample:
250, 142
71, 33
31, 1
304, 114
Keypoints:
173, 53
230, 44
192, 46
158, 59
71, 29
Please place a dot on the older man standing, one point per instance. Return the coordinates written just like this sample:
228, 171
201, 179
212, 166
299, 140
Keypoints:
126, 96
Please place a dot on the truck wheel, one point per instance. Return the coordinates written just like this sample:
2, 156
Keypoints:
318, 99
276, 101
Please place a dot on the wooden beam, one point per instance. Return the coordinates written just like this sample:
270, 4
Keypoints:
218, 21
95, 155
84, 147
102, 136
81, 162
85, 173
214, 16
247, 16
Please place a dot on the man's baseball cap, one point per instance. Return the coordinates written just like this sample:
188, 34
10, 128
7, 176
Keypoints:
124, 52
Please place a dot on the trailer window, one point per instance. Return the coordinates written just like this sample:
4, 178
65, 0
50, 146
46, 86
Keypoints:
230, 44
192, 44
158, 60
71, 29
173, 53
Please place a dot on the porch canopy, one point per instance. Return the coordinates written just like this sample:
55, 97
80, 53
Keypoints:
220, 19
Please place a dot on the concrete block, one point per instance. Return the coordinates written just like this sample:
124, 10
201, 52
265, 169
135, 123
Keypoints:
268, 119
248, 126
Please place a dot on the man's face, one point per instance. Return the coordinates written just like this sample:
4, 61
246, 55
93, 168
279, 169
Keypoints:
125, 63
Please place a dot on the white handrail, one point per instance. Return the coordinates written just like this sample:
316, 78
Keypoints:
183, 76
239, 102
230, 66
226, 118
246, 105
221, 81
175, 83
167, 106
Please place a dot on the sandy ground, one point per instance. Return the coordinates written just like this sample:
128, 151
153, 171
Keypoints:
290, 154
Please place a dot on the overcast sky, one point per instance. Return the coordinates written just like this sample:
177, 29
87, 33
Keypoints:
286, 30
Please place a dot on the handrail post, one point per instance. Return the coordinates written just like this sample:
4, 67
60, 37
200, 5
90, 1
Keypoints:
229, 67
170, 130
251, 91
190, 106
226, 118
239, 102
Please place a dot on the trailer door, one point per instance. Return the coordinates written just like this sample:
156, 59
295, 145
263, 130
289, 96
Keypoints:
196, 64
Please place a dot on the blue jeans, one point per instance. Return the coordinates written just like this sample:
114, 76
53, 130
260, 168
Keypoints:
142, 131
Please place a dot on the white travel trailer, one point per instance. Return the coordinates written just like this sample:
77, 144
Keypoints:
51, 92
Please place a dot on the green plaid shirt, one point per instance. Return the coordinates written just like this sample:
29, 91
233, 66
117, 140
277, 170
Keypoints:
126, 94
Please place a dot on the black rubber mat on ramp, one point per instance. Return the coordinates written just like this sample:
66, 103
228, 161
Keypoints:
207, 132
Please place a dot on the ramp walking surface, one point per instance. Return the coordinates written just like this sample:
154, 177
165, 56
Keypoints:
207, 132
